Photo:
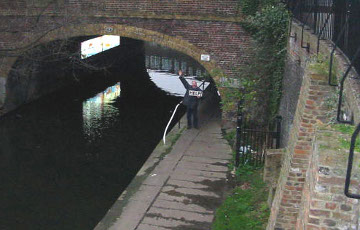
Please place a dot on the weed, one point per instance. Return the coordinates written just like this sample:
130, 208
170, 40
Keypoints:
246, 208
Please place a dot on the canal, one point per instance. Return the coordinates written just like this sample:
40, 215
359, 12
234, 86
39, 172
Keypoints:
67, 156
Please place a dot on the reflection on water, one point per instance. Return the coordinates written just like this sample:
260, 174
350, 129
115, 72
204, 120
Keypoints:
165, 59
98, 112
65, 159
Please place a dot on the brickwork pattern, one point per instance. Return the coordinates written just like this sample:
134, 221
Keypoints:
324, 204
298, 203
227, 42
192, 27
341, 63
115, 7
309, 111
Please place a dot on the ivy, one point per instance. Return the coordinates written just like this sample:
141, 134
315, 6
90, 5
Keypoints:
249, 7
267, 22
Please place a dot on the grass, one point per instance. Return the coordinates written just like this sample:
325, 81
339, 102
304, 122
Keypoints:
348, 130
321, 65
345, 129
246, 207
230, 136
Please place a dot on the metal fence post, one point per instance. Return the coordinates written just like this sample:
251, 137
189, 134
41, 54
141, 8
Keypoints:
342, 82
350, 165
238, 133
316, 10
278, 131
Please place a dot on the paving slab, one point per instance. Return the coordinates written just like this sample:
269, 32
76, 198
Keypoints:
175, 205
204, 160
202, 166
194, 172
187, 184
198, 179
175, 214
183, 188
176, 224
150, 227
187, 191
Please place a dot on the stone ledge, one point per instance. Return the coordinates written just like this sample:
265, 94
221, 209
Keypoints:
326, 205
273, 161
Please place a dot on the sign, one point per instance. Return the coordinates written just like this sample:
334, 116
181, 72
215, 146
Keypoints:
195, 93
205, 57
109, 29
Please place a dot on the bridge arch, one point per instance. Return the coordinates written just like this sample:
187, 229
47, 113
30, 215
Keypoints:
174, 42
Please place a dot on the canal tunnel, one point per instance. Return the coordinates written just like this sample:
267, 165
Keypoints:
67, 153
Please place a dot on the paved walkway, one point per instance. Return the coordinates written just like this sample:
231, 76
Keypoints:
184, 189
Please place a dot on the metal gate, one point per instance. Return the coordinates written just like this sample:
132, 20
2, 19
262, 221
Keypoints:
253, 140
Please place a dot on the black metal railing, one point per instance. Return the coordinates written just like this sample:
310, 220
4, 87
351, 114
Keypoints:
339, 118
339, 22
253, 140
350, 165
335, 20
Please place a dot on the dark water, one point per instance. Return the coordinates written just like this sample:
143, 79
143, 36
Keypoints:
65, 159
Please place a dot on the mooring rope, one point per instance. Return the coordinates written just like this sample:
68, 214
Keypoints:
172, 116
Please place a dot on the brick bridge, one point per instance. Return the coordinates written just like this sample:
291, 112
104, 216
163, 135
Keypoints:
191, 27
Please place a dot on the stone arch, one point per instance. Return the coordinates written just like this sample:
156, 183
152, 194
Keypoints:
177, 43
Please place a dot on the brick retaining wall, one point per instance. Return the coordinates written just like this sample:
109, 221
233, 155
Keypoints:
310, 110
324, 204
299, 201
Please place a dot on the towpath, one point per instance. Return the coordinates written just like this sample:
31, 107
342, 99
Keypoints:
182, 191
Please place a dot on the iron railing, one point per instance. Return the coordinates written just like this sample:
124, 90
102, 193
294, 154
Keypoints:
350, 165
252, 140
339, 22
335, 20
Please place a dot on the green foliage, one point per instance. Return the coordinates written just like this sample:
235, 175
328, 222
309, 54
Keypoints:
229, 99
230, 136
321, 65
246, 207
249, 7
345, 129
262, 79
349, 130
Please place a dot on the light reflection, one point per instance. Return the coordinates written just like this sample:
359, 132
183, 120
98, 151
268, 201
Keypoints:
98, 45
97, 109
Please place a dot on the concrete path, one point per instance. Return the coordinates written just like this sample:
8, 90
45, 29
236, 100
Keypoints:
183, 190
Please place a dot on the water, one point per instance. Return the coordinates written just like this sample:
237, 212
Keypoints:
65, 158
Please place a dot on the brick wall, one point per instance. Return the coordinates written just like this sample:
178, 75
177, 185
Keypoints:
306, 198
227, 8
216, 32
310, 110
324, 204
227, 43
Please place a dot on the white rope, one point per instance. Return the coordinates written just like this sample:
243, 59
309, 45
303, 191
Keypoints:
170, 122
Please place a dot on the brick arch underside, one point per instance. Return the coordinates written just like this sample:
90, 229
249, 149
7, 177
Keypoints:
226, 42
